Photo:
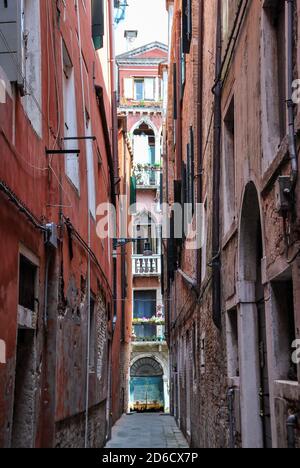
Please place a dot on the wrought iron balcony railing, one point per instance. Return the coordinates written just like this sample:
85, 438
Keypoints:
143, 333
147, 177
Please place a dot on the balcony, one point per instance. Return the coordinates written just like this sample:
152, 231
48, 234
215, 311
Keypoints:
148, 332
147, 177
146, 266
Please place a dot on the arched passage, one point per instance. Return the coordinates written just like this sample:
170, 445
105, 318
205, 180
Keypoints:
255, 400
146, 386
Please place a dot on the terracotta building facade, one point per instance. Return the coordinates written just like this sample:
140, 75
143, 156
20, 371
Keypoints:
58, 148
231, 145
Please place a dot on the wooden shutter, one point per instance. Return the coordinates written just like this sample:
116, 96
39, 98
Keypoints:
171, 251
12, 58
128, 88
132, 190
149, 89
161, 188
175, 91
186, 25
97, 23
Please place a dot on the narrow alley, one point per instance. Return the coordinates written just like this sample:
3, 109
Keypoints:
147, 431
149, 224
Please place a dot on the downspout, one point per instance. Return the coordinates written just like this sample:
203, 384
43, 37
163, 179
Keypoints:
290, 104
200, 130
291, 425
230, 397
115, 177
114, 118
216, 270
87, 386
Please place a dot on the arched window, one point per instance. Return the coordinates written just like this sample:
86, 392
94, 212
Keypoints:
146, 231
144, 145
146, 367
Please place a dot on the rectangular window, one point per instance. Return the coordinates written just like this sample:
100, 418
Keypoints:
145, 303
282, 294
70, 118
273, 78
229, 166
28, 292
139, 90
27, 284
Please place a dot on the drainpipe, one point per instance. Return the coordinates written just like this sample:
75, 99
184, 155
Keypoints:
291, 425
216, 271
114, 117
87, 386
290, 104
230, 397
200, 129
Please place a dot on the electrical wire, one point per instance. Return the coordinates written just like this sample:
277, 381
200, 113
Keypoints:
33, 97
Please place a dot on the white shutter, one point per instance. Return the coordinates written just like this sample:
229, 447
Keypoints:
70, 119
149, 89
128, 88
91, 172
11, 40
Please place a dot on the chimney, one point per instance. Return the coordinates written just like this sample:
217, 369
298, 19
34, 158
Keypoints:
130, 36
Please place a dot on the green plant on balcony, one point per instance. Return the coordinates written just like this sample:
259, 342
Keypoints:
149, 321
148, 339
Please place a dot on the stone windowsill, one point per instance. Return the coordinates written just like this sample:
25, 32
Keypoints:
287, 390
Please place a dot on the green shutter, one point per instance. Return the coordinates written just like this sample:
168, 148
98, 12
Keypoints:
97, 23
132, 190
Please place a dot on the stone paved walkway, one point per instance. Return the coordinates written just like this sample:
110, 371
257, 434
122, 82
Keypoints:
147, 431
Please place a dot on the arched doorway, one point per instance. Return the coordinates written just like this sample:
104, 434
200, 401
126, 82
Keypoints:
146, 386
255, 398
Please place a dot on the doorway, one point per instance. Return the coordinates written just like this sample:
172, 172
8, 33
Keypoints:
24, 394
146, 386
254, 373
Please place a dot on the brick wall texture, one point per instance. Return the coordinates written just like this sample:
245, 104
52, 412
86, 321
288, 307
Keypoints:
208, 363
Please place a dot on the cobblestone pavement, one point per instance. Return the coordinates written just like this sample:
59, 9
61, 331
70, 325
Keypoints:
147, 431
